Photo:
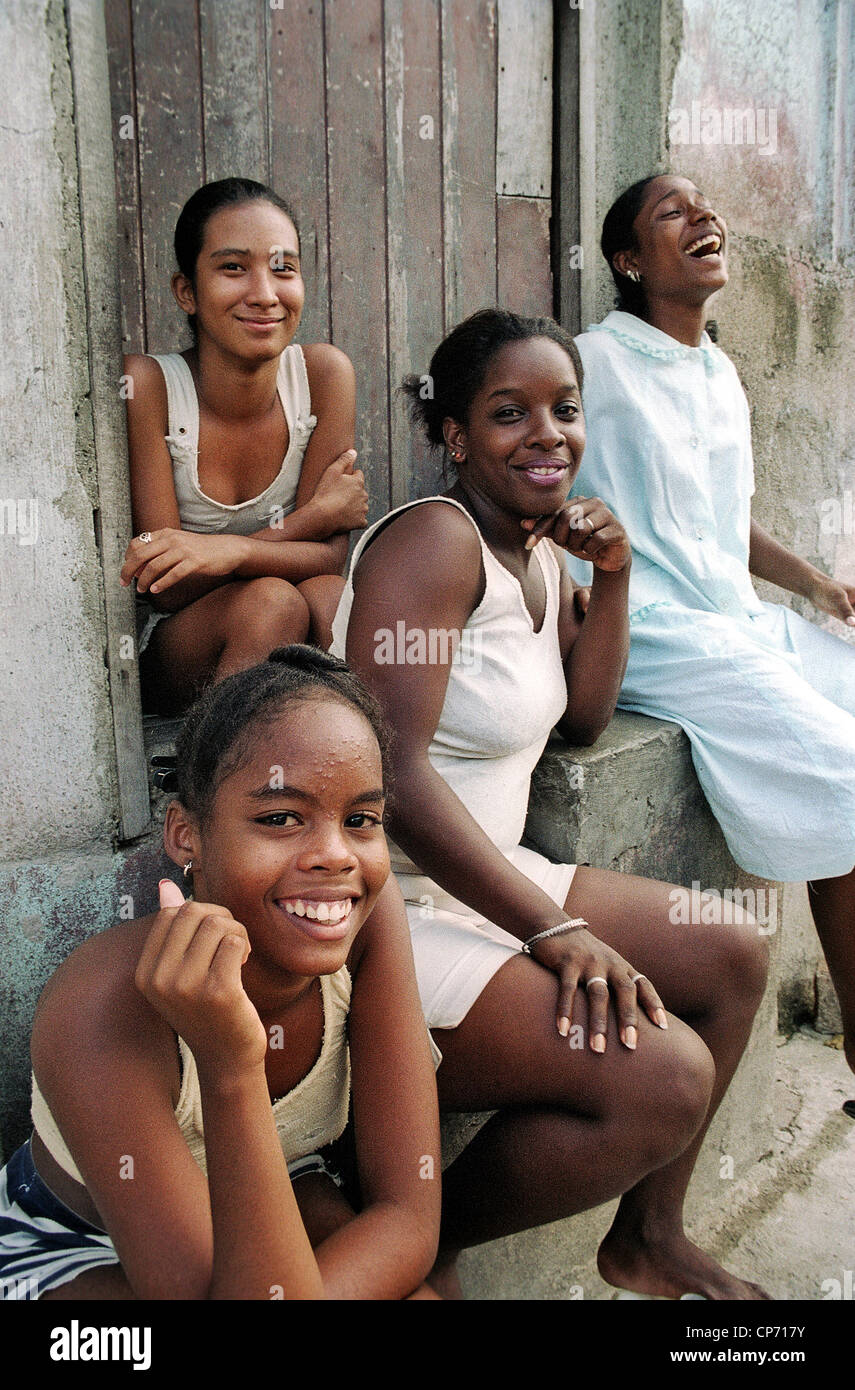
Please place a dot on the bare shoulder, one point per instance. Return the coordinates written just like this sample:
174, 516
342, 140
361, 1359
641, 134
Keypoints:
327, 367
145, 371
91, 1004
149, 384
434, 552
433, 529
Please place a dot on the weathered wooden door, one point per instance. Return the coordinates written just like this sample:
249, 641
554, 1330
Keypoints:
411, 137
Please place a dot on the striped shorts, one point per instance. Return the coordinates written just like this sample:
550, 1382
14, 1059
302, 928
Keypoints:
44, 1244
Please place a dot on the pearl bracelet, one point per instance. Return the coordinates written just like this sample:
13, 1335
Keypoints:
572, 924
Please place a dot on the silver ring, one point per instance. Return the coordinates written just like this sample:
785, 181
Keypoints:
596, 979
637, 977
145, 537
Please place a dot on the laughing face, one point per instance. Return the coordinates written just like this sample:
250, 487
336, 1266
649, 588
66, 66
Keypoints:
523, 440
680, 250
294, 845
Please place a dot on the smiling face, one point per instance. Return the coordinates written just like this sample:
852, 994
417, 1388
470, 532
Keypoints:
523, 440
248, 289
680, 243
299, 864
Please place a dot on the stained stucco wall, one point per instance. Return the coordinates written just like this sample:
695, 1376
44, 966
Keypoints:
56, 752
58, 810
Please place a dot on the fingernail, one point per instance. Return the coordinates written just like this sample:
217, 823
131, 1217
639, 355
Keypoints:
851, 622
630, 1038
564, 1026
661, 1018
531, 542
598, 1042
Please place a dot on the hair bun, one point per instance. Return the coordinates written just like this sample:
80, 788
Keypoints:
305, 658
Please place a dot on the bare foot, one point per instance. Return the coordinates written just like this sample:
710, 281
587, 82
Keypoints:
443, 1278
668, 1265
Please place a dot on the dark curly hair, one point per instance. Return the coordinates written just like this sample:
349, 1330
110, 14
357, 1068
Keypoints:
459, 365
217, 732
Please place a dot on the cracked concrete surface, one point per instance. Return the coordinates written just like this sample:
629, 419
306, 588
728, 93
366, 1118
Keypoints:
791, 1227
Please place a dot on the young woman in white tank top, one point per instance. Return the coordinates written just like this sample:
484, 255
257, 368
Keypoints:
460, 617
242, 467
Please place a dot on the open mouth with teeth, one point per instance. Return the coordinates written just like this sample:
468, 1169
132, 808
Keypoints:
543, 473
709, 245
333, 912
324, 920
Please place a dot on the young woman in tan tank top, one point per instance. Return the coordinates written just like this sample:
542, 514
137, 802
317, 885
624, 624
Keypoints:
229, 596
159, 1168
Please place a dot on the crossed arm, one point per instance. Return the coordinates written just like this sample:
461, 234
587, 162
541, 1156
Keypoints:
177, 566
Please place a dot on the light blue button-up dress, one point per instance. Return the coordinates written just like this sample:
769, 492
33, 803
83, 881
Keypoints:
766, 698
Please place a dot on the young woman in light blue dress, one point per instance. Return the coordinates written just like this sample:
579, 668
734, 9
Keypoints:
766, 698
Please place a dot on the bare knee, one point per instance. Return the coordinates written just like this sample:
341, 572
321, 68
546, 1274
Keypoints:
740, 963
267, 612
673, 1091
322, 594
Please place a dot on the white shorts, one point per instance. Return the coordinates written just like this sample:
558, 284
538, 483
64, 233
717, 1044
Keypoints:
457, 952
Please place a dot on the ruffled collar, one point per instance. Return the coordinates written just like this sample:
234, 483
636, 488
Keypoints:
642, 337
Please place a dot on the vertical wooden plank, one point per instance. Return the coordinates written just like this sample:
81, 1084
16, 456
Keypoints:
566, 234
357, 201
524, 99
524, 260
169, 131
414, 182
469, 155
298, 151
92, 116
117, 16
234, 88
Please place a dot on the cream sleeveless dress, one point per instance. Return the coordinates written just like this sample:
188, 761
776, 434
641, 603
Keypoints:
506, 691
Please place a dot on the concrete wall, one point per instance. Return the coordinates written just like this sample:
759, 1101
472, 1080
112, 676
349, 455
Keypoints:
56, 755
60, 809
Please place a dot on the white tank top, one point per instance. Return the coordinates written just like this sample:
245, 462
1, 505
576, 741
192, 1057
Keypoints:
506, 691
197, 511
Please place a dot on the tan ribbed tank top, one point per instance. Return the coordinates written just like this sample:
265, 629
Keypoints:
311, 1115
